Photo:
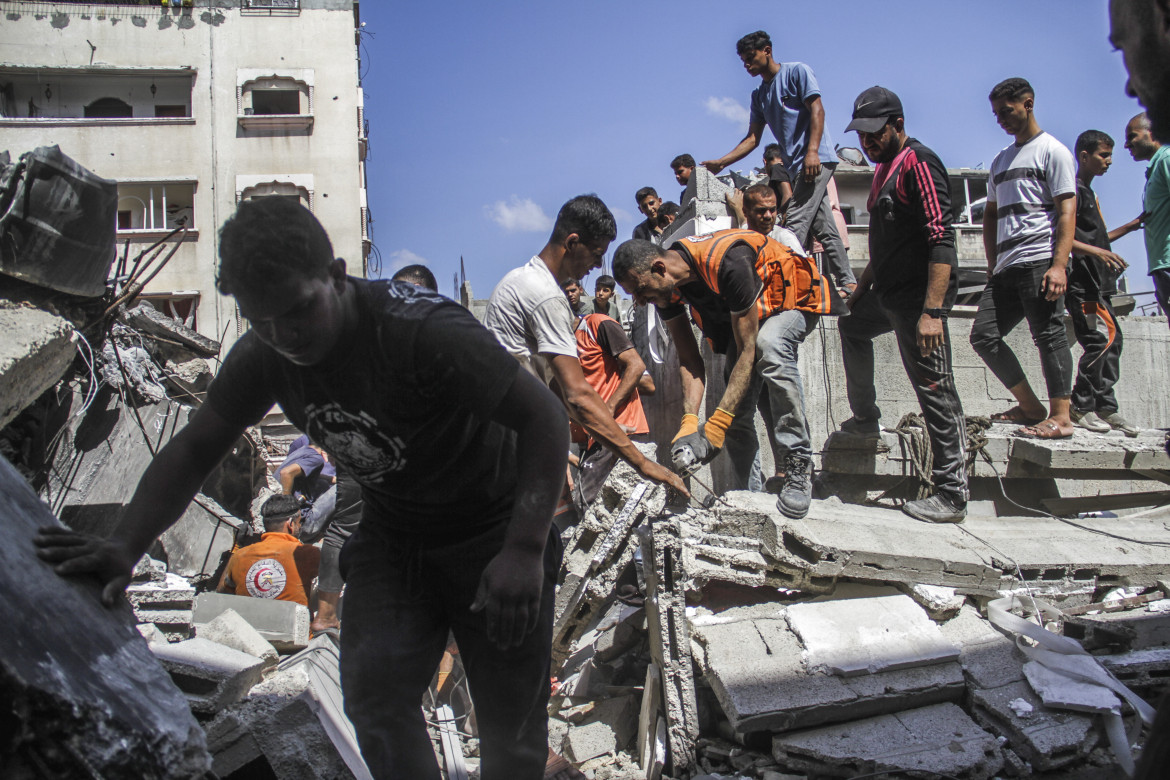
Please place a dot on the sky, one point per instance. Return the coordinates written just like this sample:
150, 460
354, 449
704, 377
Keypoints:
486, 117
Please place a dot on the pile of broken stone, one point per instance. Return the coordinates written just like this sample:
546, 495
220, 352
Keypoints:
854, 641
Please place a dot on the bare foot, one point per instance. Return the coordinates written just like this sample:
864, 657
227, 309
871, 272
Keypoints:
558, 768
1048, 429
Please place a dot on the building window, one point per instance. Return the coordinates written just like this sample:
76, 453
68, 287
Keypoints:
67, 95
275, 99
155, 207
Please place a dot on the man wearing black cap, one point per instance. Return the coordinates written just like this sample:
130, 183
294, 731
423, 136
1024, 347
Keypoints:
908, 288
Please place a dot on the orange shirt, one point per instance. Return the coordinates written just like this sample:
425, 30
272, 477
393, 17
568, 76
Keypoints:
596, 351
276, 567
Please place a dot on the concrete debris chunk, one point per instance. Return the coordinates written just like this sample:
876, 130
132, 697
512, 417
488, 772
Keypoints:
1119, 632
755, 670
149, 570
284, 624
1047, 739
1063, 693
229, 629
210, 674
988, 657
940, 603
1140, 668
36, 349
850, 637
670, 638
153, 322
90, 698
291, 726
609, 727
931, 741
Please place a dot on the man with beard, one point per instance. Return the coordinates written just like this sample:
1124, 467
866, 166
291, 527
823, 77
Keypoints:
908, 287
1142, 145
1141, 30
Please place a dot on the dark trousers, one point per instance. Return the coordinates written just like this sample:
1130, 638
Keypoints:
1012, 295
1161, 279
341, 526
1097, 331
402, 597
931, 376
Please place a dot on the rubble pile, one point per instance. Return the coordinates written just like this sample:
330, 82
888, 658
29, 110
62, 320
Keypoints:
854, 641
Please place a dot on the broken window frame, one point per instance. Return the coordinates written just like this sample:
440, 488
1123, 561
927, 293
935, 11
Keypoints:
182, 305
153, 209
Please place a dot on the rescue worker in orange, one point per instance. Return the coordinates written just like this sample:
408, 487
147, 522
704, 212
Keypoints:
755, 300
278, 566
614, 369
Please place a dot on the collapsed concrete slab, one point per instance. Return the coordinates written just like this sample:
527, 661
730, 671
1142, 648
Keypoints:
210, 674
850, 637
36, 349
932, 741
874, 544
1119, 632
90, 697
291, 726
752, 659
204, 532
284, 624
1002, 701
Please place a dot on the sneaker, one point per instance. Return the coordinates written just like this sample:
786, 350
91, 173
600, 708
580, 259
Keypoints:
936, 509
1089, 421
870, 429
796, 495
1118, 423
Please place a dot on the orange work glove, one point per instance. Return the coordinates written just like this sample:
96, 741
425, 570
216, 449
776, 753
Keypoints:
690, 424
716, 427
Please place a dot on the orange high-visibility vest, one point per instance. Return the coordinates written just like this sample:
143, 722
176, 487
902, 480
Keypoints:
790, 281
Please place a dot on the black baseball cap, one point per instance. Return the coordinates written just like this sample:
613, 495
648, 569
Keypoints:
873, 108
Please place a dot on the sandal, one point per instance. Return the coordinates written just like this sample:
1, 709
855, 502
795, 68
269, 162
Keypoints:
1015, 416
1042, 430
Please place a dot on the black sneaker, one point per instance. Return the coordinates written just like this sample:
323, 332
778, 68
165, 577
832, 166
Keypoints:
867, 429
796, 495
935, 509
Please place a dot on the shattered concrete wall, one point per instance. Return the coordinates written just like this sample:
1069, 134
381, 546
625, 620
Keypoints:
84, 696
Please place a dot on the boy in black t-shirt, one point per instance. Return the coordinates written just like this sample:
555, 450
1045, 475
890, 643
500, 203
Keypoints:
1092, 281
460, 457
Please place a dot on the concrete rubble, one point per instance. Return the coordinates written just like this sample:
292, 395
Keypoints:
721, 641
851, 642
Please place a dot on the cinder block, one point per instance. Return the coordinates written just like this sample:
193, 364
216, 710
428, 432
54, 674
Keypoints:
211, 675
170, 592
229, 629
284, 624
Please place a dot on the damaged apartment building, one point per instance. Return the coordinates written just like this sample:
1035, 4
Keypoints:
1031, 641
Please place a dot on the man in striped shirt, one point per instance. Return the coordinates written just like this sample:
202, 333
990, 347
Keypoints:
1028, 231
908, 287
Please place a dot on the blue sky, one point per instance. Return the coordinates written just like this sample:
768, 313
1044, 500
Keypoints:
485, 118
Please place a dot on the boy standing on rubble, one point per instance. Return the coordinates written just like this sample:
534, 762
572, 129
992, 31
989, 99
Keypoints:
1091, 285
908, 287
460, 456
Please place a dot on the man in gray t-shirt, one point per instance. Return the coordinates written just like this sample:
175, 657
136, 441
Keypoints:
1028, 229
532, 319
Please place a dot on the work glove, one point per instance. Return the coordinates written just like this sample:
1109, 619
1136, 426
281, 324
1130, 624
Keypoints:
693, 448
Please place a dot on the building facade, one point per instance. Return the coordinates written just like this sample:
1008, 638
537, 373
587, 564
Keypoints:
193, 106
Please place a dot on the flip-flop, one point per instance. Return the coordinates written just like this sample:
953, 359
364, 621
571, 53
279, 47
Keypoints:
332, 631
1045, 429
1015, 416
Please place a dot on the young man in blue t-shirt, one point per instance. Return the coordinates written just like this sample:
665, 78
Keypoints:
788, 102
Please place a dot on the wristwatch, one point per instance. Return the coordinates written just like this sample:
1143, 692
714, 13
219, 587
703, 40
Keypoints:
937, 314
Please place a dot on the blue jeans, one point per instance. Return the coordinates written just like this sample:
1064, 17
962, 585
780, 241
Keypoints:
403, 594
778, 391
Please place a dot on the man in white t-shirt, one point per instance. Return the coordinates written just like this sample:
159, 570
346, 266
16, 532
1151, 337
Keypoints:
532, 319
1028, 232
